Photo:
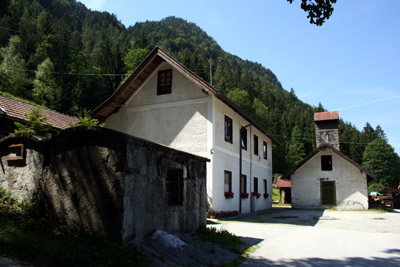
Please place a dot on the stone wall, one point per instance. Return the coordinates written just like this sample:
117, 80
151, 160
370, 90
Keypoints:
327, 132
112, 183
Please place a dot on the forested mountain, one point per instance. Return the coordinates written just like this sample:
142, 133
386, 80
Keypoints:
62, 55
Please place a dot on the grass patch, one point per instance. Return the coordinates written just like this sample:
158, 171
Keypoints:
250, 250
276, 194
222, 237
25, 235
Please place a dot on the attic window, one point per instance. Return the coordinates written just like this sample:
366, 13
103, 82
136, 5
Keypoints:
326, 163
164, 82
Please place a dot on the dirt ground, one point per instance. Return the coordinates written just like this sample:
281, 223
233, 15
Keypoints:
290, 237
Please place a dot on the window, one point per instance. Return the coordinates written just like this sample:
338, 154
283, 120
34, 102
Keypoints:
228, 129
228, 181
256, 145
243, 183
265, 186
265, 150
243, 138
164, 82
255, 184
326, 163
174, 185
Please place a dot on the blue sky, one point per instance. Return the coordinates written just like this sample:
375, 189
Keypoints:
350, 64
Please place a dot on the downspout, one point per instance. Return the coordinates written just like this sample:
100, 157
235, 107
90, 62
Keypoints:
251, 171
240, 166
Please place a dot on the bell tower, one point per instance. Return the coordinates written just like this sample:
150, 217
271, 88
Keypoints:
327, 128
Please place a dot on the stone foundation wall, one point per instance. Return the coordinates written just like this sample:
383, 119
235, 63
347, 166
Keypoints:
112, 183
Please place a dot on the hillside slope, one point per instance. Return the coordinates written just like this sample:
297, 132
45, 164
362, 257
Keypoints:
60, 54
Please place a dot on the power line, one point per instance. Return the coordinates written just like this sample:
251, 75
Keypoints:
313, 139
71, 73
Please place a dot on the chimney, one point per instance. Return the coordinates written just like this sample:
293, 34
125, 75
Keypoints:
327, 128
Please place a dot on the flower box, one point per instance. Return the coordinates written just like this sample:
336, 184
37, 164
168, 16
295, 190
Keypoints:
257, 195
245, 195
229, 194
266, 195
226, 214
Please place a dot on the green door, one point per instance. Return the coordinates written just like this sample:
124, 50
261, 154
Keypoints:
328, 193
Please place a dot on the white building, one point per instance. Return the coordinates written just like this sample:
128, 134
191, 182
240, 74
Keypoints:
326, 177
165, 102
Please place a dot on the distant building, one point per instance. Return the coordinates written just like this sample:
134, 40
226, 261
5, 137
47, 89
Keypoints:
326, 177
167, 103
12, 110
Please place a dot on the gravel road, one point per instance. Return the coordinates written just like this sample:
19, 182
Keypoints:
290, 237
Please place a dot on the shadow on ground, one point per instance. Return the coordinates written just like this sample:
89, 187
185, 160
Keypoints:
284, 216
356, 261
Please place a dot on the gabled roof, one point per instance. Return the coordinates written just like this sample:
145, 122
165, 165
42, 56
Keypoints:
152, 61
16, 110
283, 183
334, 150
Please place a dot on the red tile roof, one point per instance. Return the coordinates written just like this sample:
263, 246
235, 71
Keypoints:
281, 183
326, 116
16, 110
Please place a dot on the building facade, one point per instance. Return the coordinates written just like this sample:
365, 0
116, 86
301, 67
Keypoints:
327, 178
166, 103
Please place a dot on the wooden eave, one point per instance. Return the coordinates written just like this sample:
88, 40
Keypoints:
370, 175
152, 61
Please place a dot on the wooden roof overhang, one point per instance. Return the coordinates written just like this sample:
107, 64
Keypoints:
324, 146
152, 61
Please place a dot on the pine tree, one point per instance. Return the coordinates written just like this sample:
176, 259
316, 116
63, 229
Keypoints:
45, 89
380, 159
13, 69
35, 124
296, 151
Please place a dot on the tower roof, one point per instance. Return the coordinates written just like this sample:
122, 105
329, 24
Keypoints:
326, 116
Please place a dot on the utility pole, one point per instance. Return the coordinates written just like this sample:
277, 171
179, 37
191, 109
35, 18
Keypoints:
210, 61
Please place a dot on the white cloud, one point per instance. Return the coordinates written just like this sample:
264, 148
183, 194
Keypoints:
371, 102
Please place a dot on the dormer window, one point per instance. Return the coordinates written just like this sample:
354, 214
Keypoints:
164, 82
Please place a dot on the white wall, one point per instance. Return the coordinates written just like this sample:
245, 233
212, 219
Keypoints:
350, 182
192, 121
227, 157
178, 120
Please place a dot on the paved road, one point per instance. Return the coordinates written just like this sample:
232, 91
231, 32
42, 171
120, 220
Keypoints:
289, 237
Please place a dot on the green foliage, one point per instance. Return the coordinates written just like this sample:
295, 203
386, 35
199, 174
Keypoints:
380, 159
91, 53
45, 90
318, 11
35, 124
135, 55
375, 187
276, 195
296, 151
14, 78
222, 237
86, 120
242, 99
